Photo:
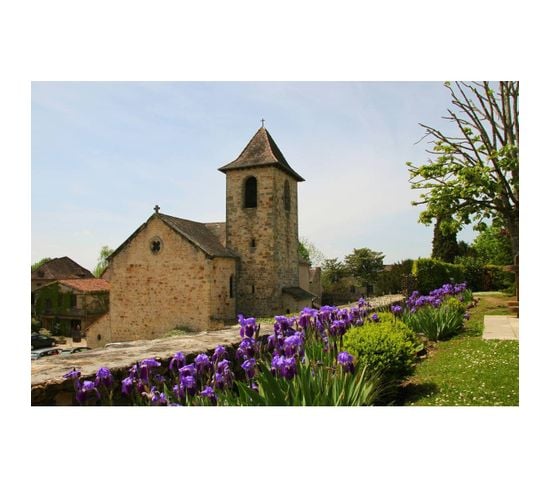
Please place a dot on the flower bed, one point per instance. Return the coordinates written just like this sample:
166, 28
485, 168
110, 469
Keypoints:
303, 362
300, 363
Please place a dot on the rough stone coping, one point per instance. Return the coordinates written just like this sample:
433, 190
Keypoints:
503, 327
49, 371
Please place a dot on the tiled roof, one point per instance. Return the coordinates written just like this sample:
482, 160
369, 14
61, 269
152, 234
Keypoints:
199, 234
261, 151
59, 268
87, 285
298, 293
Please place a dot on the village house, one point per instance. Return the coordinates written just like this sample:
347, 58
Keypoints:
178, 273
68, 307
58, 269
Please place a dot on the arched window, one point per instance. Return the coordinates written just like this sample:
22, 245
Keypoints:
286, 196
251, 192
231, 285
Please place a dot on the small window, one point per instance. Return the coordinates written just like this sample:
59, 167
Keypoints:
231, 285
253, 243
251, 192
286, 195
155, 245
98, 337
253, 289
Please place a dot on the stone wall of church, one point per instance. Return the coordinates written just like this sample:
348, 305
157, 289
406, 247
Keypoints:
222, 304
154, 293
265, 237
250, 235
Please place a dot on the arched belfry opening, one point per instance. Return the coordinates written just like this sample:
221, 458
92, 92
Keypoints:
286, 195
251, 192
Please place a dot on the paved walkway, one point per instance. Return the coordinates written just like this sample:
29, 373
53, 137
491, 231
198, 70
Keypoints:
505, 327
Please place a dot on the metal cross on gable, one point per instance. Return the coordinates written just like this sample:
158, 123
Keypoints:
263, 120
156, 208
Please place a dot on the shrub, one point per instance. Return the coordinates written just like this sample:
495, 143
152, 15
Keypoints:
432, 273
437, 322
388, 347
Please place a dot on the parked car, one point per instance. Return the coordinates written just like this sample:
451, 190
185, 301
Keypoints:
39, 341
52, 351
76, 349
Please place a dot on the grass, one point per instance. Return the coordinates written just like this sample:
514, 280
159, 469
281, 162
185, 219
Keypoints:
467, 370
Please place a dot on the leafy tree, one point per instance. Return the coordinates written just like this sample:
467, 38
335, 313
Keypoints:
492, 246
364, 264
102, 262
37, 265
444, 244
310, 253
475, 173
303, 252
332, 271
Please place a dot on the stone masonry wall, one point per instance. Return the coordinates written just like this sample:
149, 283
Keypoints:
99, 333
222, 305
154, 293
285, 226
258, 291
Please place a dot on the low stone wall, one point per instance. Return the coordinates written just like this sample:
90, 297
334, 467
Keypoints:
49, 388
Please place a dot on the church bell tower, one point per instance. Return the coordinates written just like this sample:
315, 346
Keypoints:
262, 225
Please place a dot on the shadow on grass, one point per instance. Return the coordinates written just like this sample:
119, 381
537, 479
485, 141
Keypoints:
412, 392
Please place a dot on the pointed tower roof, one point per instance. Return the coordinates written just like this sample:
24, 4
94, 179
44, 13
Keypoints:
261, 151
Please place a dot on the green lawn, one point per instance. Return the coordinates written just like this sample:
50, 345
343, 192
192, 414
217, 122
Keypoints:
467, 370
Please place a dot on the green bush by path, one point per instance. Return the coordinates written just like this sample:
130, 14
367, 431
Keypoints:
388, 347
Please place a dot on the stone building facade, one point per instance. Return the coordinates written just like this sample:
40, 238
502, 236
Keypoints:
174, 272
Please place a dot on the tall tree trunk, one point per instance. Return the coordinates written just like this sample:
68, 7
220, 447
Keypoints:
512, 225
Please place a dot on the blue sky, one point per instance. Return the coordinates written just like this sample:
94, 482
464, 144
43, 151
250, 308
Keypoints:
104, 153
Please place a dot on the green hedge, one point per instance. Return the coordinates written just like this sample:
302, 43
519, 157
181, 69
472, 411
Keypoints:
430, 274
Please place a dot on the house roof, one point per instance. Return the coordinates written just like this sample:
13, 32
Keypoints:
195, 232
87, 285
61, 268
298, 293
261, 151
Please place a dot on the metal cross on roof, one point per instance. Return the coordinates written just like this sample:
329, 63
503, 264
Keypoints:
156, 208
263, 120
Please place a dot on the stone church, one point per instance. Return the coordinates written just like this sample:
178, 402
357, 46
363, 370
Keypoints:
173, 273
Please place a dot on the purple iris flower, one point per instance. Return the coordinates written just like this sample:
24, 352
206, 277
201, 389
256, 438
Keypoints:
219, 354
345, 359
188, 370
248, 326
203, 364
158, 398
338, 328
127, 385
293, 345
104, 377
150, 363
396, 309
282, 325
209, 392
87, 391
177, 362
249, 368
284, 367
374, 317
247, 349
361, 302
73, 374
145, 366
